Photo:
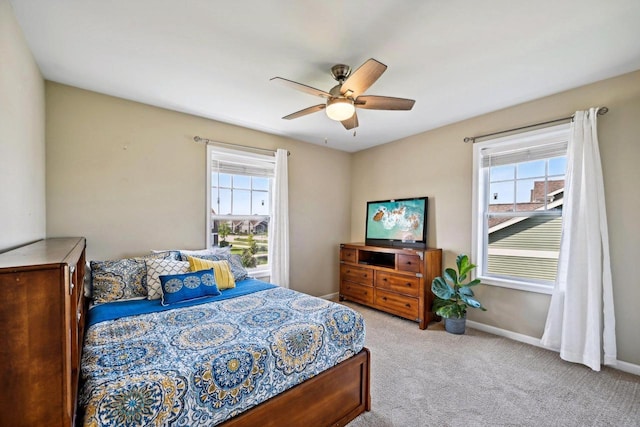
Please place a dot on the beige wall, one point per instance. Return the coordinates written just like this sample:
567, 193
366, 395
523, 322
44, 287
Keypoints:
130, 178
439, 165
22, 149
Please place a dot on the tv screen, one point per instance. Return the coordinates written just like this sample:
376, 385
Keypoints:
401, 222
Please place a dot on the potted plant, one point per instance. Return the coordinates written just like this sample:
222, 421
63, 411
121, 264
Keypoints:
453, 296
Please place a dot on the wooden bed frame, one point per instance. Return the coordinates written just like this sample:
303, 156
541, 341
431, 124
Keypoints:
332, 398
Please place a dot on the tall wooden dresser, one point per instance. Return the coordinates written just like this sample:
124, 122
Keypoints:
395, 280
42, 321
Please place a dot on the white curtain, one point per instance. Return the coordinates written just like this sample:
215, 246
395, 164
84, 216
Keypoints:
279, 227
581, 322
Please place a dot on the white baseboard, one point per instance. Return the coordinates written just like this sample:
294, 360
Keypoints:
620, 365
627, 367
505, 333
331, 297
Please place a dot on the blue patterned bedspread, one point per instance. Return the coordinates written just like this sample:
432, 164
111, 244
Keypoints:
203, 364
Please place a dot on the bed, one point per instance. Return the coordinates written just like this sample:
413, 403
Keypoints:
256, 354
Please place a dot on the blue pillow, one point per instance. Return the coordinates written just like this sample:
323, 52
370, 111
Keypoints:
181, 287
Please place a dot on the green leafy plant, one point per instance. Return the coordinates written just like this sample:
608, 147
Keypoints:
247, 257
223, 231
453, 295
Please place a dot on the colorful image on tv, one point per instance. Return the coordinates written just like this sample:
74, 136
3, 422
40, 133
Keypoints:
396, 220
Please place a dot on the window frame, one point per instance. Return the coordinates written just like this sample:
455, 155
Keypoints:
262, 270
538, 137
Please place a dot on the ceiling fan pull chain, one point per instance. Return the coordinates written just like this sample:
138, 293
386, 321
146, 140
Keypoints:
354, 133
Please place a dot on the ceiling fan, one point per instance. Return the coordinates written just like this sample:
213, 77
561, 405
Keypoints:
347, 95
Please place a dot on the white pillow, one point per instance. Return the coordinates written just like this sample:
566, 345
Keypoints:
87, 280
162, 267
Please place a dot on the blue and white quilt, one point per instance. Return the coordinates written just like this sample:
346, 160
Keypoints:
202, 364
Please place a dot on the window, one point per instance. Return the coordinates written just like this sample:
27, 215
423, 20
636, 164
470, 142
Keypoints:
518, 202
238, 203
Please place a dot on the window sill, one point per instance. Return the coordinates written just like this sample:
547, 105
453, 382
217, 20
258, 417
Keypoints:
259, 273
514, 284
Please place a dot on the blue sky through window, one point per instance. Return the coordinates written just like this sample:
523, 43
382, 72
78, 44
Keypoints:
513, 183
243, 195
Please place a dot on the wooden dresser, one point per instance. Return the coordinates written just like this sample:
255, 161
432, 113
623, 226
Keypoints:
42, 321
394, 280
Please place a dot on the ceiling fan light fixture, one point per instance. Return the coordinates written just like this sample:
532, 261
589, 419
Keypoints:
340, 109
340, 102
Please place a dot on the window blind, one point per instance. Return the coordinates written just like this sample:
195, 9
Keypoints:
497, 157
224, 161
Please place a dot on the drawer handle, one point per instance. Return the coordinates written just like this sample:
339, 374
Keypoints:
384, 280
384, 298
408, 262
409, 284
408, 305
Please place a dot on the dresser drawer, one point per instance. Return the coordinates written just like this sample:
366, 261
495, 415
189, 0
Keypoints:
348, 255
409, 263
397, 283
356, 292
356, 274
401, 305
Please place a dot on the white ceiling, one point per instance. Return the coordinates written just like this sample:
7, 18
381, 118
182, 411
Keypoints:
456, 58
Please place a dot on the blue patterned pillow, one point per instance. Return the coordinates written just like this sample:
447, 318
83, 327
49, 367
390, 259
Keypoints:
122, 279
172, 254
237, 269
118, 280
181, 287
215, 250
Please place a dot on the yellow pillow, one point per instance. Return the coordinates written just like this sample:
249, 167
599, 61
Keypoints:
221, 269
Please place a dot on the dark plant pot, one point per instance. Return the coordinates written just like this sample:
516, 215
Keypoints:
455, 325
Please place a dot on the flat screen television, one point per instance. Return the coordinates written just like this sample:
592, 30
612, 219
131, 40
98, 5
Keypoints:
397, 222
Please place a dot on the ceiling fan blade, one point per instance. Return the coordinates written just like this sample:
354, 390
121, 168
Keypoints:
361, 79
351, 122
305, 112
372, 102
303, 88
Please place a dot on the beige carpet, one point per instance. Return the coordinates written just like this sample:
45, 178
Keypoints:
433, 378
